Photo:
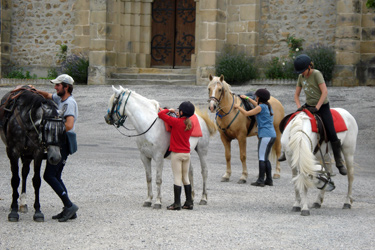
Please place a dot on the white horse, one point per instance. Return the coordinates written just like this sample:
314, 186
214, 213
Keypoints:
153, 139
298, 142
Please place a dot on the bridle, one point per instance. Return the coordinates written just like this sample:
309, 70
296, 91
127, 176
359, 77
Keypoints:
218, 100
115, 110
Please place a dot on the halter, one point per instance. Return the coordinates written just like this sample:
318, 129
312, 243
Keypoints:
217, 101
122, 117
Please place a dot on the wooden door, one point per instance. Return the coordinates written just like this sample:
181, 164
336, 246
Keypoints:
173, 33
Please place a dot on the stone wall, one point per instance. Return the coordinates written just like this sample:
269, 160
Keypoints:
37, 29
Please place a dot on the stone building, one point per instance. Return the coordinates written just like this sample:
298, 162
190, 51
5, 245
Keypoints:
145, 37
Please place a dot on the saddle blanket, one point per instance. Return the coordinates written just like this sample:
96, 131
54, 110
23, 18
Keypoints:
338, 121
197, 131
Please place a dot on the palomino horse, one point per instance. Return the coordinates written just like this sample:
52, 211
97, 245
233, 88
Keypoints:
234, 125
153, 139
30, 125
299, 141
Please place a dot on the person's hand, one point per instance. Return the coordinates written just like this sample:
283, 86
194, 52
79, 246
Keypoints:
312, 110
301, 108
172, 110
243, 96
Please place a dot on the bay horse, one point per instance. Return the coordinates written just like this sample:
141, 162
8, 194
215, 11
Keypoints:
153, 139
298, 142
232, 124
29, 126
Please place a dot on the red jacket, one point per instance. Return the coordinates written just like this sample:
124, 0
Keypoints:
179, 137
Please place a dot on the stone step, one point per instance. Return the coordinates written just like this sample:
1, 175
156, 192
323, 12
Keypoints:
185, 71
149, 82
153, 76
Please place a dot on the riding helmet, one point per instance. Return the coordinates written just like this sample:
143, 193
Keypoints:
301, 63
263, 94
187, 108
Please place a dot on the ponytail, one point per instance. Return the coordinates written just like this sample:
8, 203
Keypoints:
187, 124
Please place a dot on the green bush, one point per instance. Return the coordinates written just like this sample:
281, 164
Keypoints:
77, 67
236, 67
19, 74
323, 58
280, 69
52, 73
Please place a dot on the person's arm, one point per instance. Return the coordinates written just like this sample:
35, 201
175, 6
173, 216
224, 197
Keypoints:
44, 94
69, 122
252, 112
296, 96
323, 96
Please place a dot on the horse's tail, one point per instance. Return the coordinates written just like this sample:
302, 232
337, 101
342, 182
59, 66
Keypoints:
302, 159
212, 128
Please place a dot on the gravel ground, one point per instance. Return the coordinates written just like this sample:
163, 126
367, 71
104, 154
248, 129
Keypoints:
106, 179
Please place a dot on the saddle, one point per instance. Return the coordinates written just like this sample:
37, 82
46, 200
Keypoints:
248, 106
317, 125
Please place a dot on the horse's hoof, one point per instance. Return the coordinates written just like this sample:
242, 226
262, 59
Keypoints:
276, 176
347, 206
316, 205
296, 209
38, 217
203, 202
147, 204
240, 181
305, 212
157, 206
224, 179
13, 216
23, 209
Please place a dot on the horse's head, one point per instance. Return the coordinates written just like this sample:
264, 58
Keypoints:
113, 116
216, 91
53, 132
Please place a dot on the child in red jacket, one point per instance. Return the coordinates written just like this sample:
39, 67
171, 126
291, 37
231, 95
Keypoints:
181, 129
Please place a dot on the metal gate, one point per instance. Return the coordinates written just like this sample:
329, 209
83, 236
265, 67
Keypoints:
173, 33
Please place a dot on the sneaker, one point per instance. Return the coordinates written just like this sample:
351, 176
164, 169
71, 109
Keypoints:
68, 213
60, 215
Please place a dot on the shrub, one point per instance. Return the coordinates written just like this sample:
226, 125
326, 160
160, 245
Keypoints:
19, 74
280, 69
52, 73
77, 67
236, 67
323, 58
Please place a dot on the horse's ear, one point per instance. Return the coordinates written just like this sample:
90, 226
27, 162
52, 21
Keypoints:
117, 91
210, 77
221, 78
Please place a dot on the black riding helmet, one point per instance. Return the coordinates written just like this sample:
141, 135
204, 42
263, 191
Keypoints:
263, 94
301, 63
187, 108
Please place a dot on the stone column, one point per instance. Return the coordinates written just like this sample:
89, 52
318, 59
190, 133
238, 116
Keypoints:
347, 42
6, 17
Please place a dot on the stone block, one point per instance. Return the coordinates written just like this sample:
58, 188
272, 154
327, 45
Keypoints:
207, 58
97, 58
344, 32
368, 20
348, 45
81, 5
145, 34
347, 58
249, 12
232, 39
237, 27
251, 50
98, 17
348, 20
249, 38
252, 26
348, 6
208, 45
368, 34
368, 47
113, 31
208, 15
82, 41
207, 5
97, 44
245, 2
146, 20
110, 59
233, 13
83, 17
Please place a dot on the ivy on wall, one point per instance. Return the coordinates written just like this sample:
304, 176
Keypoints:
370, 4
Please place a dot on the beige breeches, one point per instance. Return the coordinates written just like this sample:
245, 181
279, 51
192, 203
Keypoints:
180, 167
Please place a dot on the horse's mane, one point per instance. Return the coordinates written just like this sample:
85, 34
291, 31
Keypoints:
302, 158
34, 99
154, 104
226, 85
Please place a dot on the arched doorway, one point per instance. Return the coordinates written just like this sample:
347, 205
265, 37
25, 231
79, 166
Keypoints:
173, 33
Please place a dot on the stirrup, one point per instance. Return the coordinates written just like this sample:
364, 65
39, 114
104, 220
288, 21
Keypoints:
282, 157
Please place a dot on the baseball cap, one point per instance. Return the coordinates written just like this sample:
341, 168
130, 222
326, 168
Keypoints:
63, 78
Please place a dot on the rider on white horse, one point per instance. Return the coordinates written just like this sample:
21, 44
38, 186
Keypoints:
313, 84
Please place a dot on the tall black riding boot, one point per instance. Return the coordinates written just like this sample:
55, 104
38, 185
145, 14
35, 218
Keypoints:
177, 198
336, 148
268, 180
262, 171
189, 200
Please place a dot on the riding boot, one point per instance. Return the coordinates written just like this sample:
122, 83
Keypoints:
282, 157
262, 171
336, 148
189, 200
177, 198
268, 180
